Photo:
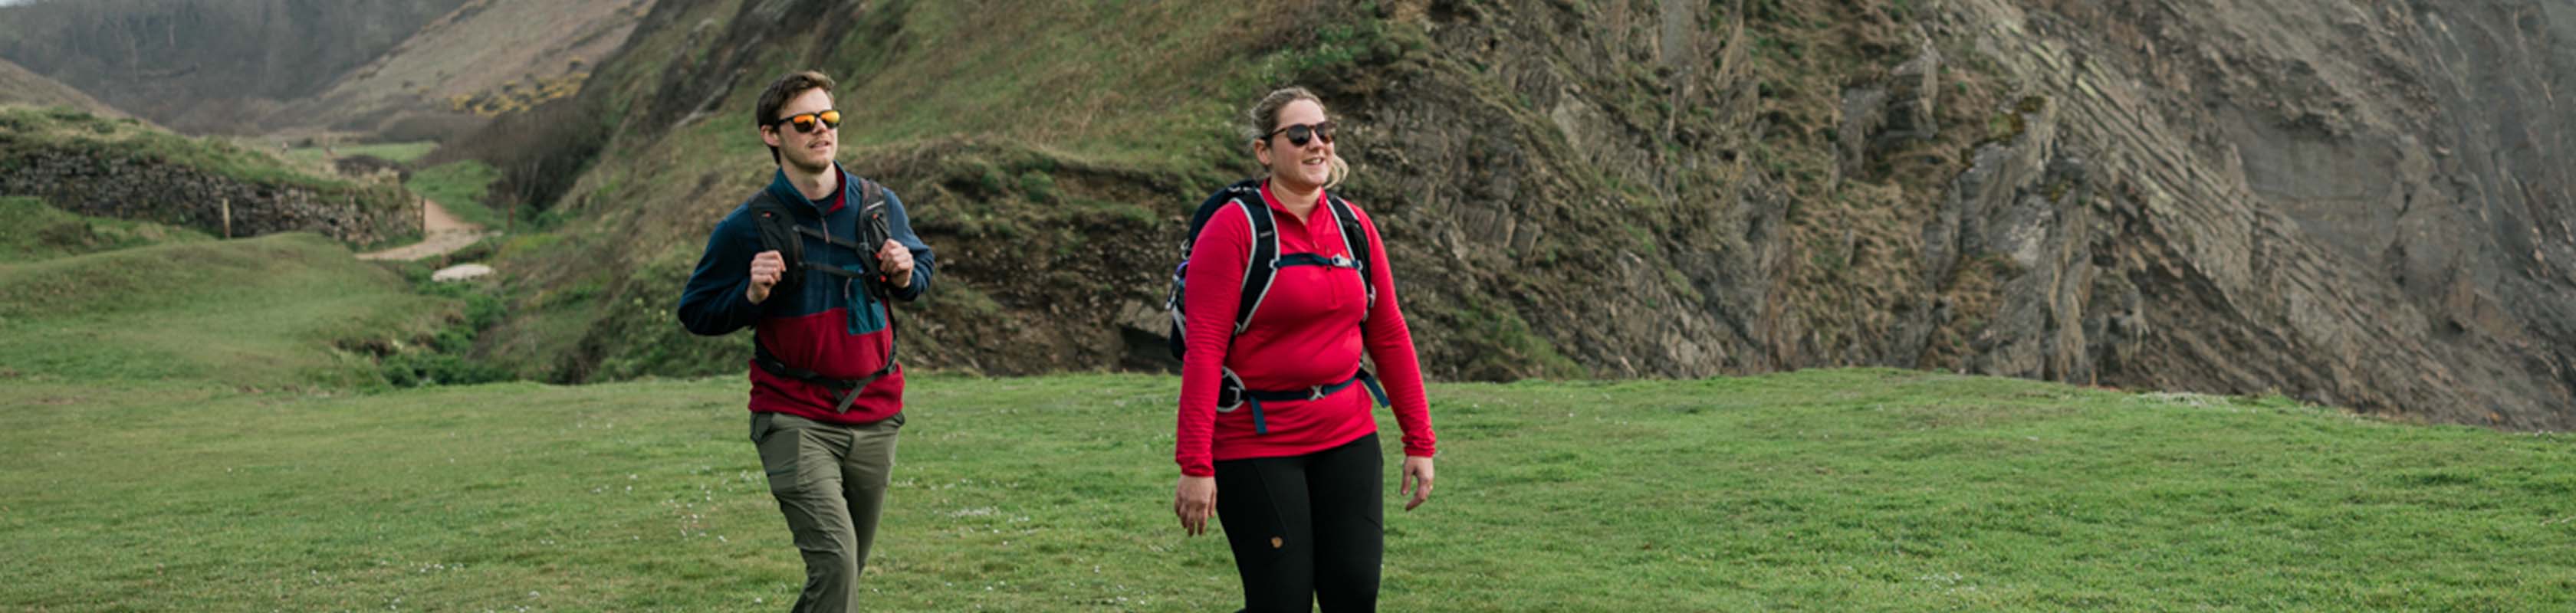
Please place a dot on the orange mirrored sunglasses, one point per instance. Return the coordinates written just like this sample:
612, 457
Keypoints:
804, 122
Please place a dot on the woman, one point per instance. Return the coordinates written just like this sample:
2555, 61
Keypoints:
1303, 502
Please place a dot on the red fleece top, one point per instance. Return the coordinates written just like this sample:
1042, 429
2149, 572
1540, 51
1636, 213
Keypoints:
1307, 332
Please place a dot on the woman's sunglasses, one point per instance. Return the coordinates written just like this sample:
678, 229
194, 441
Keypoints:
1299, 134
805, 122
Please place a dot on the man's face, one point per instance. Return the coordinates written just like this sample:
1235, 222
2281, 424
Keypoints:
806, 151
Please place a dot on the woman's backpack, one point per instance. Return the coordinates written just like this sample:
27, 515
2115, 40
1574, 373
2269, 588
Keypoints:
1262, 267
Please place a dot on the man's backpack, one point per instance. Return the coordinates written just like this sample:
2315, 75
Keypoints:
1261, 268
780, 232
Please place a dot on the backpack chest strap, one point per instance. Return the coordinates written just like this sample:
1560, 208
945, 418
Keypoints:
1315, 259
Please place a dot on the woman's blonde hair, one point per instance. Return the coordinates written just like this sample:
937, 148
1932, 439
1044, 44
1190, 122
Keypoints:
1265, 119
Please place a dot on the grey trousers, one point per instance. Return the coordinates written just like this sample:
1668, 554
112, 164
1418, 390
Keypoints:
830, 481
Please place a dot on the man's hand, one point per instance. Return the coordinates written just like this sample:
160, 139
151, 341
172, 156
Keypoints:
896, 263
766, 269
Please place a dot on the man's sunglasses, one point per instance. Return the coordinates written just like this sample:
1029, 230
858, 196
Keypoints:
1300, 133
805, 122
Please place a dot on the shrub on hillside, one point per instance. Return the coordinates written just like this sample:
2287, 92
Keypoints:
539, 152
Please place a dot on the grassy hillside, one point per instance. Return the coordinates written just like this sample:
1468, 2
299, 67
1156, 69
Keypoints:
1566, 191
484, 58
286, 310
1021, 141
19, 86
1859, 490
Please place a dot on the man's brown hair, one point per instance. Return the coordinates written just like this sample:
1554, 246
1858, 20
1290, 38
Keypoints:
790, 86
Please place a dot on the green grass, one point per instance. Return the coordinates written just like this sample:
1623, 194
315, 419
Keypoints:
461, 188
394, 152
30, 230
264, 312
1066, 80
1854, 490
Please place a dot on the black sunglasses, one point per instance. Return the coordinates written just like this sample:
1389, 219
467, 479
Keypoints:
805, 122
1300, 133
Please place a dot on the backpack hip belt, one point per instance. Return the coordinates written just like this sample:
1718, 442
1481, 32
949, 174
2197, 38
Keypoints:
848, 389
1231, 395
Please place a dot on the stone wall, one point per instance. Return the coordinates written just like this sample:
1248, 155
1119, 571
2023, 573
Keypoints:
123, 187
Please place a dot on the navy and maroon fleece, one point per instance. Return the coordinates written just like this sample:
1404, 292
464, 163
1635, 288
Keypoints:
1306, 333
805, 326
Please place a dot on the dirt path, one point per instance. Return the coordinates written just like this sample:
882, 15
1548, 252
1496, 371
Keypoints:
446, 234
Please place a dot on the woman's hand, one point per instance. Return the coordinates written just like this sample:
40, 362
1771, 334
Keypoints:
1194, 499
1417, 478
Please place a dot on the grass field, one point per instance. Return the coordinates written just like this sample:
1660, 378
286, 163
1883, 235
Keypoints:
266, 312
1820, 490
404, 152
187, 429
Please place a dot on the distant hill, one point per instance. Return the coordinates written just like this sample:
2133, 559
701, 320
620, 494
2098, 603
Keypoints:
395, 69
485, 58
207, 66
18, 86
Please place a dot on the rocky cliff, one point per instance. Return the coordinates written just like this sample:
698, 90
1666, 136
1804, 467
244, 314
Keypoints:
2352, 205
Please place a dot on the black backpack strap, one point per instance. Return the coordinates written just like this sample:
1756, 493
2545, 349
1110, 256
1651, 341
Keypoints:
1231, 395
1262, 267
873, 232
778, 230
1316, 259
1356, 238
848, 389
835, 241
1231, 197
1242, 191
870, 193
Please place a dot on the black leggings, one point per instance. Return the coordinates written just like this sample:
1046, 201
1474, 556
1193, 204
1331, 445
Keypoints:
1306, 528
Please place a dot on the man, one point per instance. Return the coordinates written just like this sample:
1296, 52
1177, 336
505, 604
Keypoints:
826, 395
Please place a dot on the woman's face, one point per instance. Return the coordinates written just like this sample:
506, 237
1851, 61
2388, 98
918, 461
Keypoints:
1303, 167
